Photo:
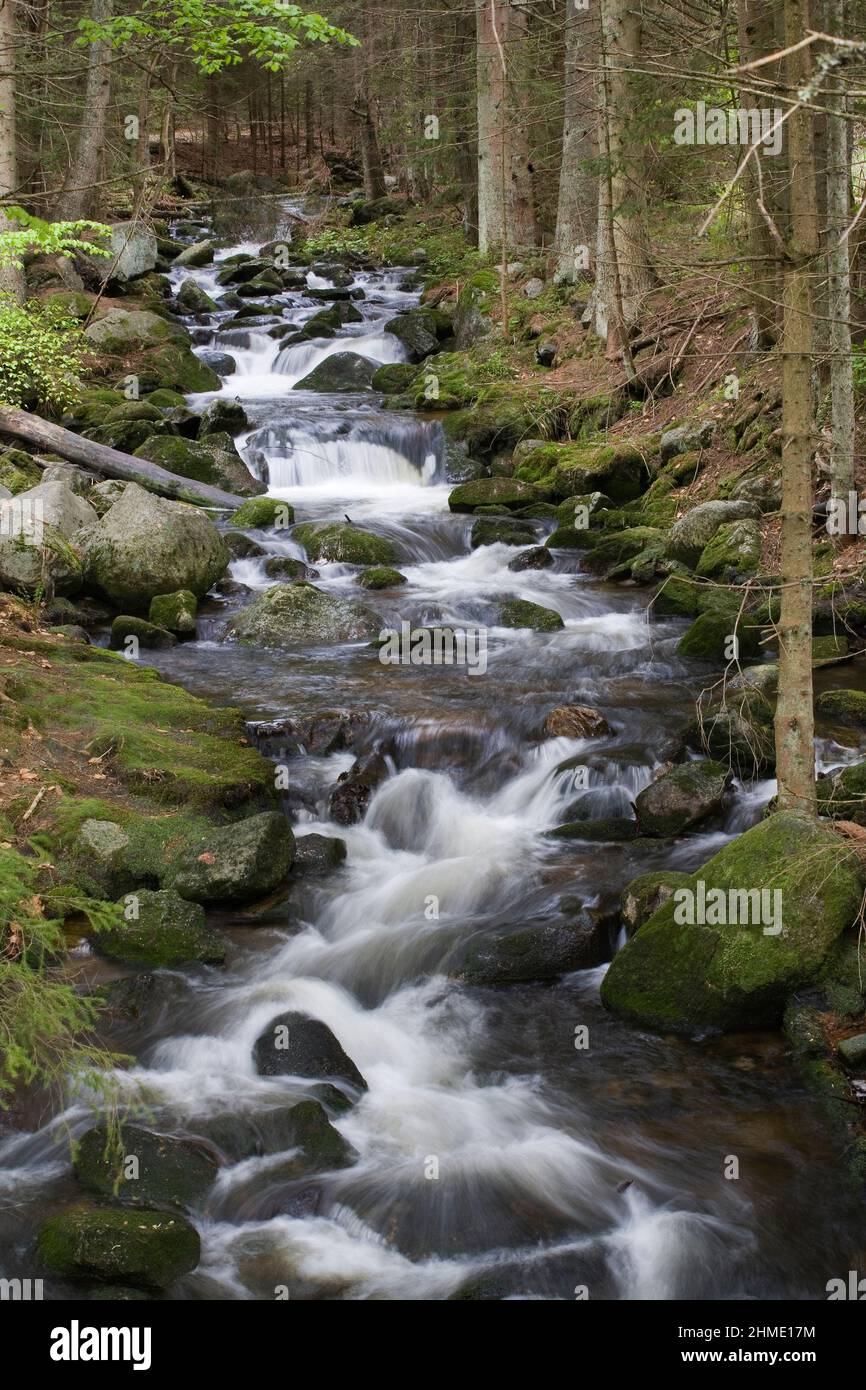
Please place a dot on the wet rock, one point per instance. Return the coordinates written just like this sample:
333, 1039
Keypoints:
318, 854
175, 612
342, 371
261, 513
146, 546
846, 707
212, 460
489, 531
509, 956
682, 798
238, 862
394, 377
416, 331
732, 974
506, 493
166, 931
199, 253
192, 299
321, 1147
144, 1248
146, 634
219, 363
708, 638
342, 543
289, 613
537, 557
350, 798
575, 721
242, 547
41, 531
381, 577
741, 736
221, 416
519, 612
693, 532
646, 894
293, 1044
288, 567
611, 828
168, 1171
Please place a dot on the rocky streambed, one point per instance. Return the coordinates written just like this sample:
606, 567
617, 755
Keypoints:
371, 1058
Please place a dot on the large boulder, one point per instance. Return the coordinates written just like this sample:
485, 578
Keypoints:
507, 956
199, 253
682, 798
342, 371
776, 898
145, 545
342, 543
507, 493
119, 331
142, 1247
416, 332
213, 460
693, 532
238, 862
733, 554
40, 532
167, 1172
293, 1044
132, 252
287, 614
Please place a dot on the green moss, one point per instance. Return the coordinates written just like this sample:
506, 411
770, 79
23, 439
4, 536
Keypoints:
618, 470
259, 513
164, 930
709, 635
18, 472
843, 707
149, 1249
381, 577
506, 494
339, 542
518, 612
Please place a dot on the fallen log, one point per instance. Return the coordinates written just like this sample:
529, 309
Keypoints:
111, 463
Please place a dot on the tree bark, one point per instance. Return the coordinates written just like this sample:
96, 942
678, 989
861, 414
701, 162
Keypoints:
111, 463
577, 208
794, 723
80, 198
506, 211
839, 278
11, 277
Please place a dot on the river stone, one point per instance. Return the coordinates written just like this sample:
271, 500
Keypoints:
415, 331
175, 612
846, 707
322, 1147
318, 854
40, 539
222, 415
683, 797
202, 459
686, 439
506, 956
288, 567
167, 931
217, 364
146, 634
353, 793
342, 543
506, 493
853, 1050
575, 721
119, 331
239, 862
689, 536
537, 557
286, 614
519, 612
242, 547
99, 853
260, 512
646, 894
199, 253
733, 554
146, 545
192, 299
342, 371
293, 1044
171, 1172
685, 978
489, 531
145, 1248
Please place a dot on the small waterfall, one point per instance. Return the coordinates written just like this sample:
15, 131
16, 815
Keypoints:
378, 451
298, 361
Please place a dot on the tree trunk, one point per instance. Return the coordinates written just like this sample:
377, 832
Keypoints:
506, 212
80, 198
11, 278
577, 209
111, 463
794, 724
621, 24
371, 160
839, 278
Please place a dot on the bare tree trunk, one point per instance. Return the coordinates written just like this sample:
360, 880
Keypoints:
794, 724
506, 212
79, 197
577, 209
839, 276
621, 24
11, 278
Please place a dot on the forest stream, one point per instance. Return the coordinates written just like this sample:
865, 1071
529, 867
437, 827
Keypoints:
514, 1141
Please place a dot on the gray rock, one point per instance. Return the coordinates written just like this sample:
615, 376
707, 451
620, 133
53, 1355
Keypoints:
132, 252
318, 854
342, 371
853, 1050
689, 535
415, 333
290, 613
120, 330
533, 288
78, 480
199, 253
686, 439
220, 362
221, 416
682, 798
293, 1044
40, 539
192, 299
238, 862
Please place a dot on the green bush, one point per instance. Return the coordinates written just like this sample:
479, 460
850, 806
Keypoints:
40, 355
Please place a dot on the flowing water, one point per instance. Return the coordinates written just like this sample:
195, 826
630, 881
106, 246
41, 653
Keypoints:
496, 1158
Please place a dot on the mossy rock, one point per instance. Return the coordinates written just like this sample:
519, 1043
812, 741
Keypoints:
687, 978
733, 554
611, 551
176, 367
505, 493
237, 863
394, 377
145, 634
842, 794
203, 460
708, 638
645, 894
739, 735
165, 399
320, 1147
341, 543
828, 649
381, 577
18, 472
505, 531
167, 1171
175, 612
519, 612
690, 536
676, 598
507, 956
618, 470
166, 931
846, 707
682, 798
261, 513
607, 830
286, 614
144, 1248
570, 538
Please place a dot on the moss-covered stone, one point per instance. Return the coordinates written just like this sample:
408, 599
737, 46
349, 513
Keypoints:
381, 577
562, 470
342, 543
686, 977
614, 550
145, 634
682, 798
505, 493
18, 472
645, 894
260, 513
504, 531
175, 612
709, 637
519, 612
166, 1171
846, 707
394, 377
733, 554
162, 930
145, 1248
238, 862
286, 614
213, 460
